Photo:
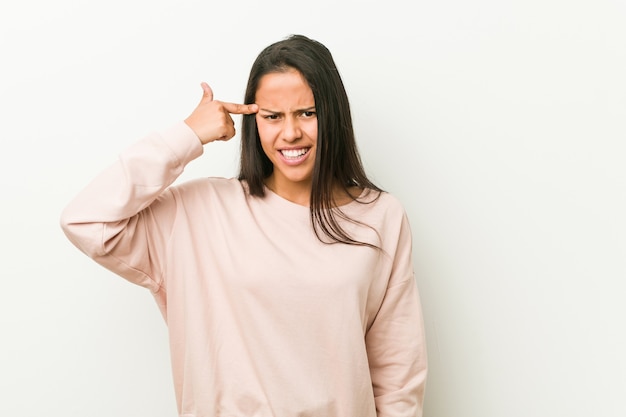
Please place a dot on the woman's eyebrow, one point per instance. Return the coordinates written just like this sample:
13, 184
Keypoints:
296, 111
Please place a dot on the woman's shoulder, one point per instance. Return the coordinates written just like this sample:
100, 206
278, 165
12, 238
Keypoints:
374, 206
206, 186
379, 198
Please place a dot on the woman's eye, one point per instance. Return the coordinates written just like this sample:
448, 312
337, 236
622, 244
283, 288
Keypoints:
308, 114
271, 117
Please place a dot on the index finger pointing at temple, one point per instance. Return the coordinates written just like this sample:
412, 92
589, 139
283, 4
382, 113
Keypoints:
234, 108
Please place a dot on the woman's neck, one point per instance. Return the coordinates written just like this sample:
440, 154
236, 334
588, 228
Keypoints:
300, 193
296, 192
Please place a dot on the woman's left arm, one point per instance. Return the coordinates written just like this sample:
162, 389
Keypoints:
396, 342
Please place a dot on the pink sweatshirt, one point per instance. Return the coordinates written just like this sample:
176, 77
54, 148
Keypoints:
264, 320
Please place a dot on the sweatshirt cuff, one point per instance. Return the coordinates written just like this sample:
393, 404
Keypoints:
183, 142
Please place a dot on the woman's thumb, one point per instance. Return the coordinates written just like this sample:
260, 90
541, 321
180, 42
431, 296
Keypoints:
207, 93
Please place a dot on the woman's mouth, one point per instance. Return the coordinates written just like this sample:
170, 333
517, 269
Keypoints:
294, 155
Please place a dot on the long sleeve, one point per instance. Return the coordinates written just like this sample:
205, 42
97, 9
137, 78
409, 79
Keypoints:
115, 220
396, 345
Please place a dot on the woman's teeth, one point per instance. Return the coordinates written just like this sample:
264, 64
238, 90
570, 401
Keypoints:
293, 153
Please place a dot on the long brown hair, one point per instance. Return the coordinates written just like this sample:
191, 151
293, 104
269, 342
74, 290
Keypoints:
337, 161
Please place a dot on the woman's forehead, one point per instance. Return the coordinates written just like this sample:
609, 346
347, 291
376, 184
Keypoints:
284, 89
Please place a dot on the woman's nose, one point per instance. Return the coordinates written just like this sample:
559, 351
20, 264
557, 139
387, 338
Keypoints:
291, 129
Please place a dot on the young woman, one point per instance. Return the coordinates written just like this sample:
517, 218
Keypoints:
288, 291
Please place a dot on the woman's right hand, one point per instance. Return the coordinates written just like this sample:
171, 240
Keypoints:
211, 120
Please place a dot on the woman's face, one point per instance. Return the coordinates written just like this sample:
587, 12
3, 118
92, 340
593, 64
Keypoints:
287, 126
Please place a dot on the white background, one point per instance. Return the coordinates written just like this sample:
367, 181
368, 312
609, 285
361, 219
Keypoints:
501, 125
